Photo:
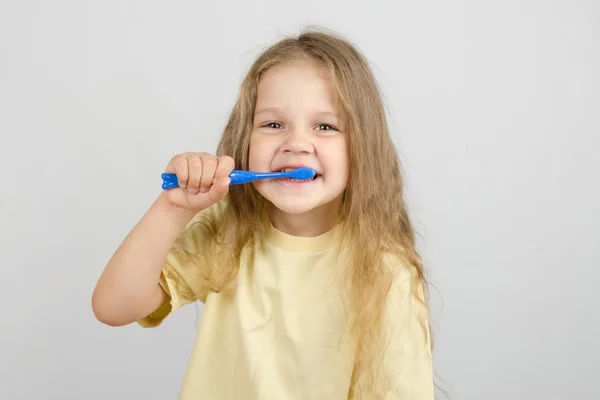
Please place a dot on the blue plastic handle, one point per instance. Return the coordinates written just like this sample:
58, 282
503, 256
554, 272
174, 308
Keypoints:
239, 176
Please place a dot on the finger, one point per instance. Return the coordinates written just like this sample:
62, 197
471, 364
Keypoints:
219, 189
179, 167
225, 166
209, 165
195, 166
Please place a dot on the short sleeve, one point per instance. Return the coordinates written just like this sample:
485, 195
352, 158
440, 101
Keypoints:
184, 269
407, 364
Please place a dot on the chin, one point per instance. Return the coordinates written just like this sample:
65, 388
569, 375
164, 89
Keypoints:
294, 207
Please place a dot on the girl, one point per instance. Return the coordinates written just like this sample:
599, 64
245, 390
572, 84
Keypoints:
312, 290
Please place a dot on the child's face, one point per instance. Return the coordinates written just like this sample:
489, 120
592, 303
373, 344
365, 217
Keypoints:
296, 124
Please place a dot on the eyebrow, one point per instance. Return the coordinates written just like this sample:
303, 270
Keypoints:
276, 110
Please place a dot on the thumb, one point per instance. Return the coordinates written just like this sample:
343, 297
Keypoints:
219, 189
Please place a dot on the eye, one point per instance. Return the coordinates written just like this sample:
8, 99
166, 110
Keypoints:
273, 125
326, 127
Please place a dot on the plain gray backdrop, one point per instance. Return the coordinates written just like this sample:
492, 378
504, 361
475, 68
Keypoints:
495, 109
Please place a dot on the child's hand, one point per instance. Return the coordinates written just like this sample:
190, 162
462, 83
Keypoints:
203, 180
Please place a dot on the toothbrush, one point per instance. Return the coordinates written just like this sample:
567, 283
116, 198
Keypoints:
240, 176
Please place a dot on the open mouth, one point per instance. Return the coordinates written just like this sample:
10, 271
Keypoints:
317, 176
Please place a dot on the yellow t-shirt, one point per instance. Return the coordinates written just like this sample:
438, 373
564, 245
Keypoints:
277, 332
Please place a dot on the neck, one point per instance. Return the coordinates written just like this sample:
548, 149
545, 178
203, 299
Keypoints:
309, 224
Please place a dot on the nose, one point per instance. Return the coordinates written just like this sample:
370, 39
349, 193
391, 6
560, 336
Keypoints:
297, 141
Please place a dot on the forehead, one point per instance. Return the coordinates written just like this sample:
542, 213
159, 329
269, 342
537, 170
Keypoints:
298, 85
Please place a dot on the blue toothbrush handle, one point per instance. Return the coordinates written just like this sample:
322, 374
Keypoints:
240, 176
237, 177
169, 181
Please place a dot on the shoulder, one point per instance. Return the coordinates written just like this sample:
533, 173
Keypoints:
193, 256
210, 217
408, 287
400, 269
407, 307
407, 355
213, 214
202, 230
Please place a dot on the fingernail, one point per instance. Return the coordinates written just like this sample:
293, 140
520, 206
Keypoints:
192, 190
203, 189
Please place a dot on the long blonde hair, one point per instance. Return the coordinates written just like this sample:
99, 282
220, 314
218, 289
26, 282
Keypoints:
373, 210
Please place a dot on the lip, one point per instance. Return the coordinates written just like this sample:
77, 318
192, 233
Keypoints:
297, 184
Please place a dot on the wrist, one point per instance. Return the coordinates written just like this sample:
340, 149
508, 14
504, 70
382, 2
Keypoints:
176, 215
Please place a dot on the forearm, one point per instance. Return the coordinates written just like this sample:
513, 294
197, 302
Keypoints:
128, 287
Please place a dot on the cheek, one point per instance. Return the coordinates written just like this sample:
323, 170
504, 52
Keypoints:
338, 159
345, 160
253, 153
261, 152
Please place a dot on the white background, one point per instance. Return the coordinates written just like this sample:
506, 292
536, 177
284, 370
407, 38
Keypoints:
495, 107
